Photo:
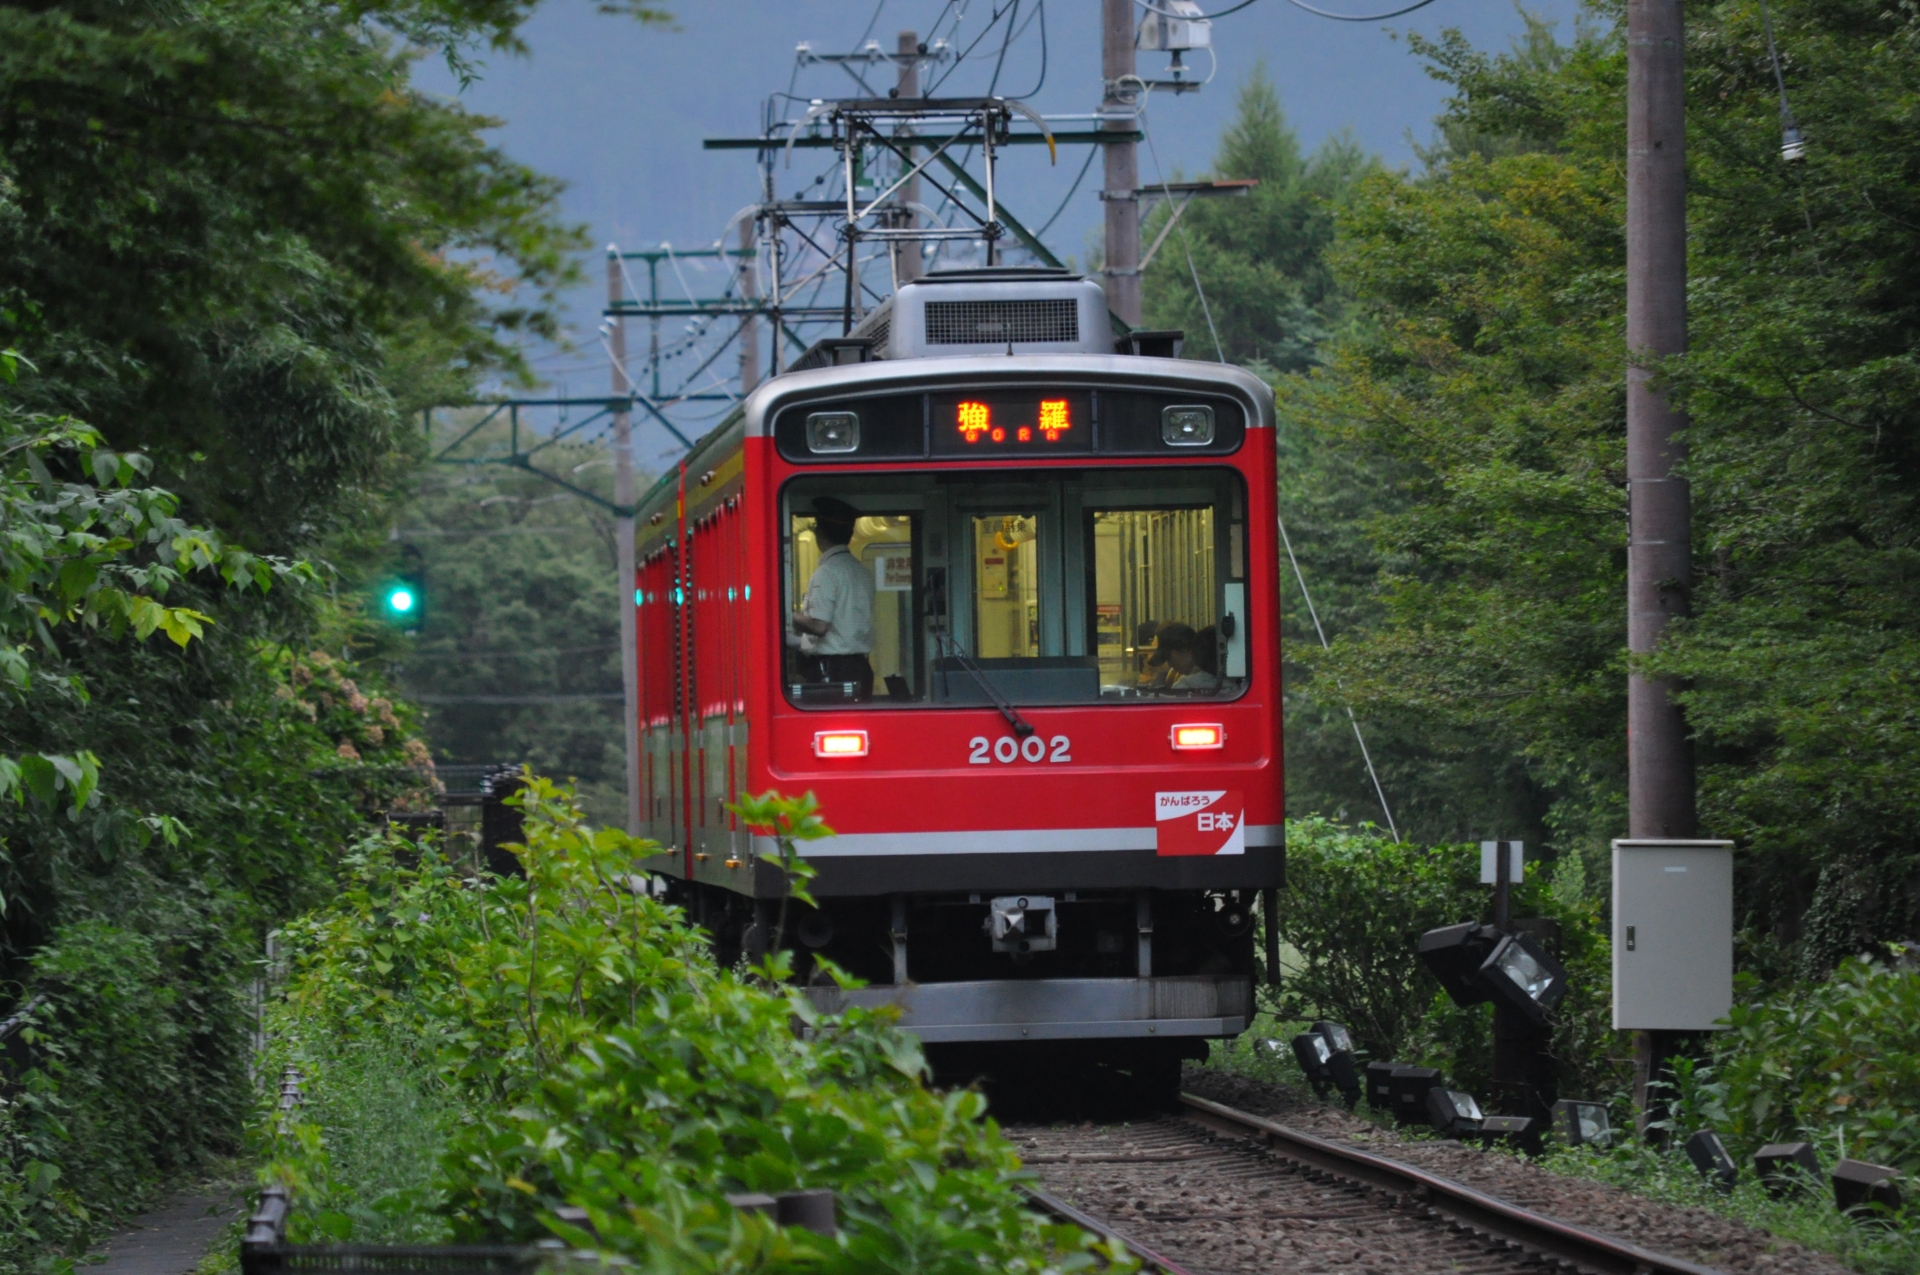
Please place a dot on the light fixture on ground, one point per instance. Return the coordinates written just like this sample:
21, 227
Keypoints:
1516, 1131
1865, 1187
1582, 1124
1786, 1167
1410, 1086
1326, 1056
1379, 1084
1453, 1113
1709, 1156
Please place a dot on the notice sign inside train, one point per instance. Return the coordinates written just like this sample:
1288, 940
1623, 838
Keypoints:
1192, 823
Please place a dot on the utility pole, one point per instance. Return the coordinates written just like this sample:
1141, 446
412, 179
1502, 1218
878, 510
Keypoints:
1123, 164
909, 257
1660, 797
623, 541
749, 291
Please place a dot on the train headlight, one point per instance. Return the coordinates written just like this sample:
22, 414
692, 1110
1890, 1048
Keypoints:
1188, 425
840, 743
830, 432
1199, 735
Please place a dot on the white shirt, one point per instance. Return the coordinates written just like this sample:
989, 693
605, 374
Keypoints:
841, 593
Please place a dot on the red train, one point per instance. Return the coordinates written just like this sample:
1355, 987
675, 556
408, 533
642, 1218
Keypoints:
1047, 727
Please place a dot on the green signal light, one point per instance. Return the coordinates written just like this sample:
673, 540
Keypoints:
400, 601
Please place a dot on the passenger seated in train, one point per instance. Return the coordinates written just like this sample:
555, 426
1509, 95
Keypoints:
835, 622
1191, 660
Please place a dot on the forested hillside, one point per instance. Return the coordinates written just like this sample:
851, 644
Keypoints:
1454, 460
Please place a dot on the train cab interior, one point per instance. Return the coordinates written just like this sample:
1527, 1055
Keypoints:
1041, 586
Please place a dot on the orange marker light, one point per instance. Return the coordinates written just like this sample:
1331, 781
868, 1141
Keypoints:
840, 743
1199, 736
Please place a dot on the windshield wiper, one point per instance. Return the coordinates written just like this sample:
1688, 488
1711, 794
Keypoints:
1021, 726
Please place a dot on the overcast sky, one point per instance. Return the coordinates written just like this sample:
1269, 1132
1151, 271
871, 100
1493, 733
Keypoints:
618, 110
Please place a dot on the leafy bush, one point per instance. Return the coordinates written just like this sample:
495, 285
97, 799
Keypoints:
1355, 906
594, 1055
1836, 1061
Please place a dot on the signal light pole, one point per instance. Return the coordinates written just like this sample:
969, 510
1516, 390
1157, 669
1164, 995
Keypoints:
1660, 793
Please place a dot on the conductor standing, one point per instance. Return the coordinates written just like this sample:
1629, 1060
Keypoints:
835, 623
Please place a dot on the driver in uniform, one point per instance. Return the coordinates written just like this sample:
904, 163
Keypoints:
835, 623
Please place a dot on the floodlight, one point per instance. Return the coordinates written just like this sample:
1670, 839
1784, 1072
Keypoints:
1410, 1086
1859, 1185
1338, 1038
1343, 1069
1582, 1124
1311, 1051
1453, 1112
1522, 974
1455, 954
1786, 1167
1380, 1085
1518, 1131
1709, 1156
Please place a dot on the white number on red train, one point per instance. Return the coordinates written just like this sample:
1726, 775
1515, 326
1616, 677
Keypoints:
1006, 750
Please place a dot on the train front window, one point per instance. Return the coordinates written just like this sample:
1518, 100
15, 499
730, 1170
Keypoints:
1057, 586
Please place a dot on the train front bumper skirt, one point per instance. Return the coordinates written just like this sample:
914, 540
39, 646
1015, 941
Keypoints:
1059, 1008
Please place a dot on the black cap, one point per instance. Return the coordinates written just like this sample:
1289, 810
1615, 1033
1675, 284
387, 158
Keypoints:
834, 512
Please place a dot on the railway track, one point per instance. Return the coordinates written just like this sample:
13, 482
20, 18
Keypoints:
1208, 1190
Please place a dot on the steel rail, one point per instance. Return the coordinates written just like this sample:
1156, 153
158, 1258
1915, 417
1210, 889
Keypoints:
1087, 1222
1443, 1197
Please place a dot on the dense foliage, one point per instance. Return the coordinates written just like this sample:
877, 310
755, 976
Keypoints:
240, 246
573, 1043
1454, 464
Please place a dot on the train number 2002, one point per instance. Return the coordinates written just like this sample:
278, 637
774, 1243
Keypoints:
1007, 749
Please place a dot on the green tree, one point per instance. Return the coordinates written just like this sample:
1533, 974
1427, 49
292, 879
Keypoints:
1488, 366
1261, 256
236, 241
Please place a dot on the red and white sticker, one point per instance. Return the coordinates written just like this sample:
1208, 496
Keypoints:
1200, 823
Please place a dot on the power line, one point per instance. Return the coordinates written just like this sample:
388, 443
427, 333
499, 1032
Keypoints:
509, 655
1092, 152
1337, 17
1343, 17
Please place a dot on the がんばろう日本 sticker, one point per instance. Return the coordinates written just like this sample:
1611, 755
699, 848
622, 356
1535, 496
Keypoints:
1199, 823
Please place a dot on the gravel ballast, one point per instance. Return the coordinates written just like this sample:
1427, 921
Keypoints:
1692, 1233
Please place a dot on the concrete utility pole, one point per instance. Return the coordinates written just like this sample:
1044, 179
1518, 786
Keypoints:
1123, 165
623, 542
909, 255
1659, 554
1660, 798
749, 326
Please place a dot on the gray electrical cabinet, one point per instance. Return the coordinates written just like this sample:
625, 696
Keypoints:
1672, 934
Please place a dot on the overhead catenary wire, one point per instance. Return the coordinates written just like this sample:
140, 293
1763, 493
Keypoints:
1298, 4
